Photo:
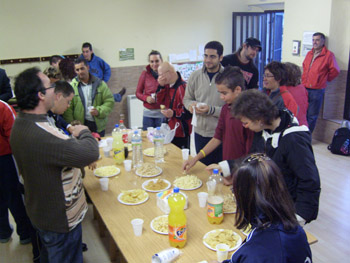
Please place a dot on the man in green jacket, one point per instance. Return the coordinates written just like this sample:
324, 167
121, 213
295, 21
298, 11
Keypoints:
93, 101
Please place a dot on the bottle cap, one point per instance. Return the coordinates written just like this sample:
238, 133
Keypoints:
121, 121
176, 190
158, 128
136, 132
117, 126
215, 171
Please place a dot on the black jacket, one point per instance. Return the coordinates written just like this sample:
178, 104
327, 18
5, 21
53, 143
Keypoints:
294, 156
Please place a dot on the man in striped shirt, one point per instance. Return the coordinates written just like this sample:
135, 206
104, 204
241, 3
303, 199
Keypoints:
51, 164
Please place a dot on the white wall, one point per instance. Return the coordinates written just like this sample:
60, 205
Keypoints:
43, 28
326, 16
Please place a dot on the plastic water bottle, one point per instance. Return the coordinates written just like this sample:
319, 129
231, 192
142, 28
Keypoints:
118, 145
137, 157
177, 220
215, 213
158, 140
124, 131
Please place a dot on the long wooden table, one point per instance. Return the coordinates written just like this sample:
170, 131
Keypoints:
116, 216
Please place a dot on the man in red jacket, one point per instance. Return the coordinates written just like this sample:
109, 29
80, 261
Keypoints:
319, 67
171, 96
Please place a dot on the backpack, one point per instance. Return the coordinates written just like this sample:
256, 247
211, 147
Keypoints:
340, 142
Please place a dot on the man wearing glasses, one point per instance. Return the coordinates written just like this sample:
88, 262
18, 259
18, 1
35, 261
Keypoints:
202, 97
51, 164
243, 58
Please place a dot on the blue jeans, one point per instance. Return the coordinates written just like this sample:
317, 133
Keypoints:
315, 102
151, 122
214, 157
61, 247
117, 97
11, 199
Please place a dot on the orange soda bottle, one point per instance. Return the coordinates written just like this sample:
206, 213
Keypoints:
177, 219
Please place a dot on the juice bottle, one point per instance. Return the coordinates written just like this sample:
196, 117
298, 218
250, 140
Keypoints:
177, 220
118, 145
158, 140
215, 204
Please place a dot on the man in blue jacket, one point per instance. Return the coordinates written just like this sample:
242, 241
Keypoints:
99, 68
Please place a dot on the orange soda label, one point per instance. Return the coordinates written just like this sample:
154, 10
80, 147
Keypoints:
214, 210
177, 234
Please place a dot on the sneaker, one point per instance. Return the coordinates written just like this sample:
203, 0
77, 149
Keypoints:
25, 241
84, 247
122, 92
7, 239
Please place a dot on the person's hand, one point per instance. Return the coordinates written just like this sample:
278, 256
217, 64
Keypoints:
92, 166
150, 100
187, 165
228, 180
94, 112
77, 129
211, 167
167, 113
202, 109
191, 107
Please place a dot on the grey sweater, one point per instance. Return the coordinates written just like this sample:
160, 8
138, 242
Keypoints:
201, 89
51, 164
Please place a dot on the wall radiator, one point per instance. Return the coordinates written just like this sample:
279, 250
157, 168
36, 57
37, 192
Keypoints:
135, 111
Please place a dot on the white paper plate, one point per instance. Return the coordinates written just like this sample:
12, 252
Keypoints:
247, 233
124, 203
239, 242
116, 173
189, 189
162, 233
152, 155
155, 191
149, 176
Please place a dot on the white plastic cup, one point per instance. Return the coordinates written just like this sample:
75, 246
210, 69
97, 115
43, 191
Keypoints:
90, 108
222, 252
137, 224
104, 183
200, 104
109, 142
127, 165
202, 199
106, 151
185, 153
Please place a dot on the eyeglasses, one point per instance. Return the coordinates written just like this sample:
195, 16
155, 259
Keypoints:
51, 87
268, 76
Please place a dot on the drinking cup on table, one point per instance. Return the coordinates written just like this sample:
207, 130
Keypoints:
137, 224
185, 153
104, 183
106, 151
127, 165
109, 142
202, 198
222, 252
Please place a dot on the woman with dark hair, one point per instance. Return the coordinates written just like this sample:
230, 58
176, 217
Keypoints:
275, 77
264, 204
278, 135
294, 86
66, 67
146, 92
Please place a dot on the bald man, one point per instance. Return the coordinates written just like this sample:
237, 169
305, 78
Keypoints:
172, 91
